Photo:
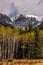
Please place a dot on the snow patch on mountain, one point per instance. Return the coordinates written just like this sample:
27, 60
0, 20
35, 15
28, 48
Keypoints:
39, 18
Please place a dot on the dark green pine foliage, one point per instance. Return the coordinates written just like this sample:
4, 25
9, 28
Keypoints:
30, 44
30, 28
37, 44
20, 50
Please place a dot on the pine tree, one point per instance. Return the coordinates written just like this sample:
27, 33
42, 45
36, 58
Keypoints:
30, 28
37, 44
29, 43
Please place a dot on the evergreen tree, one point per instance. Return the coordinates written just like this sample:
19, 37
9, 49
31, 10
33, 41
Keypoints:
30, 28
30, 46
37, 44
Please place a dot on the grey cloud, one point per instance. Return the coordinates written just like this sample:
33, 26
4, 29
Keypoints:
10, 7
40, 2
14, 10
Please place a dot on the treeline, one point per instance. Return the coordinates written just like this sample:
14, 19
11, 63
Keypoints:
18, 44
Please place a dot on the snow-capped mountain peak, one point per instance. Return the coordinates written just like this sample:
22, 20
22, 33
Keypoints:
39, 18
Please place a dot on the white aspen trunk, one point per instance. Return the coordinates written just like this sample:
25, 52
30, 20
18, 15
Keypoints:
3, 56
23, 51
14, 46
16, 49
5, 48
0, 47
9, 47
0, 51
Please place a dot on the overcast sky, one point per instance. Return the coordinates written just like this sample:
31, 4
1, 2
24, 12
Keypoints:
14, 7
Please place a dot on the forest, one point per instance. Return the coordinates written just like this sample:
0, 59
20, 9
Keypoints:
21, 44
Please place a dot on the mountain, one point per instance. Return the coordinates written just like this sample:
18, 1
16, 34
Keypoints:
5, 20
39, 18
23, 21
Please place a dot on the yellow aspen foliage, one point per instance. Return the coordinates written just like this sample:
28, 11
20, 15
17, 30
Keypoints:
2, 34
16, 31
9, 30
2, 29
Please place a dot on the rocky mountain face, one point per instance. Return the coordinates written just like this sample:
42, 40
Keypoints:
20, 21
5, 20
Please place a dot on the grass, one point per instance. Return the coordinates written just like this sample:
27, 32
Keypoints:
22, 62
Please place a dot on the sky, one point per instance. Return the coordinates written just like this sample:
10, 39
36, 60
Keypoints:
14, 7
